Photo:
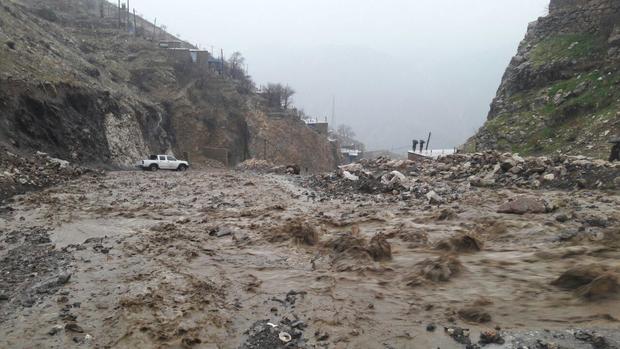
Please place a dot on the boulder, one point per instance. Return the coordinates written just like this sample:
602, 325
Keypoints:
348, 175
523, 205
434, 198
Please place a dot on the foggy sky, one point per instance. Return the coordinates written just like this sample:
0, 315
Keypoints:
397, 68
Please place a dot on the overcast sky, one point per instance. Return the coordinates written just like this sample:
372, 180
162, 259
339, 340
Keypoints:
397, 68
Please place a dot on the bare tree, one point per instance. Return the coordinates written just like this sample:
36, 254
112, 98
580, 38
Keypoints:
278, 96
346, 132
236, 62
272, 94
287, 93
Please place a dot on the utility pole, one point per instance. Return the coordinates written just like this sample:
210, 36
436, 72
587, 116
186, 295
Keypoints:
334, 112
127, 17
222, 61
428, 140
135, 28
119, 14
154, 27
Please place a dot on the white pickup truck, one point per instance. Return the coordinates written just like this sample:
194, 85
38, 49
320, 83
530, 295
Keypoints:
163, 162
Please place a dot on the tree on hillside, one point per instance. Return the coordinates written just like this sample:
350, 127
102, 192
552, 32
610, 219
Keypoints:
236, 62
278, 96
287, 93
272, 93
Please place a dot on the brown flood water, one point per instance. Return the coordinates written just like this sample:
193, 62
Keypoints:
149, 270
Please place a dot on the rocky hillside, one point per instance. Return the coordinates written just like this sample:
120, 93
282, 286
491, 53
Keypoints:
79, 87
561, 92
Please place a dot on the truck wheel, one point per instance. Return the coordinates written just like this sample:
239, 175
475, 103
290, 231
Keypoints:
182, 168
153, 168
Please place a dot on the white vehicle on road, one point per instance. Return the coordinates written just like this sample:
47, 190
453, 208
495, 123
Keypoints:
163, 162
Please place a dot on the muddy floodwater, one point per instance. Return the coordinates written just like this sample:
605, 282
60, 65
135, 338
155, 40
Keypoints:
222, 259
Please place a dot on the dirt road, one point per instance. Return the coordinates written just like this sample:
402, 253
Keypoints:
208, 259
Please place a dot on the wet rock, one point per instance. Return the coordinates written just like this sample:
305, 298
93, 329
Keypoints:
562, 218
474, 314
191, 341
73, 327
63, 278
597, 341
460, 335
523, 204
4, 297
28, 302
394, 178
264, 336
299, 325
379, 248
321, 336
222, 232
460, 243
431, 327
55, 330
434, 198
567, 235
52, 284
349, 176
599, 222
293, 169
491, 337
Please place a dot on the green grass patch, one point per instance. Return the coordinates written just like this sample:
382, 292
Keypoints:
570, 46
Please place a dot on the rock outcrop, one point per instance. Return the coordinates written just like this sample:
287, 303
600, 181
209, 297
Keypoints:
561, 92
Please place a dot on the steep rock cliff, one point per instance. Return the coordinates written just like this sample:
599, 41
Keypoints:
561, 92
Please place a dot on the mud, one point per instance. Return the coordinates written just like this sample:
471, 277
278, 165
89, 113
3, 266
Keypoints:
204, 259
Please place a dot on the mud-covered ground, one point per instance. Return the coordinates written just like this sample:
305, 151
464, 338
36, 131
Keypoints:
218, 259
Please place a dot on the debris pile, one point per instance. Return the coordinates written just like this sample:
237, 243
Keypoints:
443, 180
19, 174
492, 168
264, 166
255, 165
